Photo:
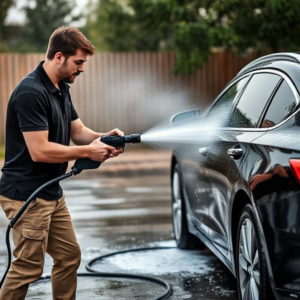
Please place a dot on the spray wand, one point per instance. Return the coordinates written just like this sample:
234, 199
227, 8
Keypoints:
116, 141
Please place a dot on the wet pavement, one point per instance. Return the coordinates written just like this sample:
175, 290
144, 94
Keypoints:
127, 204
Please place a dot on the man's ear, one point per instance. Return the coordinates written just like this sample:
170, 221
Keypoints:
59, 58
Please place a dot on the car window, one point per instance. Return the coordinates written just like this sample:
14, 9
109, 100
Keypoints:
253, 100
223, 108
282, 106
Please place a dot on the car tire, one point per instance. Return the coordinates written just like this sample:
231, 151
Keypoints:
251, 267
183, 238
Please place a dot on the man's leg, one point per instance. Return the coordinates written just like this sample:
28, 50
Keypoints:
30, 235
65, 251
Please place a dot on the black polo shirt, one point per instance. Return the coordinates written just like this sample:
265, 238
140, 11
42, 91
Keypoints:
35, 105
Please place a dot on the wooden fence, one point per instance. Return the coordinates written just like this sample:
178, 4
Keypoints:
132, 91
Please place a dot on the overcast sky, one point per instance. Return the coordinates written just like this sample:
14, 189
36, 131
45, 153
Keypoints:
16, 16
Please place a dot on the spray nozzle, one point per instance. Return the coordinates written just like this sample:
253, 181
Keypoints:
120, 141
132, 138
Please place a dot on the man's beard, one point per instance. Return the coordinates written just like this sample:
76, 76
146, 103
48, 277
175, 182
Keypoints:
64, 71
70, 79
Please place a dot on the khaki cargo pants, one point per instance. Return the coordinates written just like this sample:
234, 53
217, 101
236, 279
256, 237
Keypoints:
46, 226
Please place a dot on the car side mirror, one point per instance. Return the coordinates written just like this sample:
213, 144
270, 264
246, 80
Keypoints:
186, 116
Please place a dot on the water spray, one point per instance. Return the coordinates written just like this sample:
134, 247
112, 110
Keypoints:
189, 127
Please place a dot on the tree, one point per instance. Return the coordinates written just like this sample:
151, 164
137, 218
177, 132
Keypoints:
257, 24
192, 28
112, 25
43, 18
4, 7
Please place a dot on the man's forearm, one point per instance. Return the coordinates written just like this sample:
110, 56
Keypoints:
57, 153
85, 136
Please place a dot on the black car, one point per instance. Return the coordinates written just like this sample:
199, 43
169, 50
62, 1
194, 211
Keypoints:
238, 191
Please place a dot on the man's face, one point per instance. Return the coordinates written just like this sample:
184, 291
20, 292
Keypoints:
73, 66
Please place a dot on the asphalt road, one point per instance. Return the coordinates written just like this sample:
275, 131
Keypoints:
126, 204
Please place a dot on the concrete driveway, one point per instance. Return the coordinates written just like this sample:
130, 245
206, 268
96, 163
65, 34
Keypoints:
126, 204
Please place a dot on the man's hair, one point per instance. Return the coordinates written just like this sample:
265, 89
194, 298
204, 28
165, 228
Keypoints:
68, 40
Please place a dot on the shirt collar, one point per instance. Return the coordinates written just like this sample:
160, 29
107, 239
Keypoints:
48, 83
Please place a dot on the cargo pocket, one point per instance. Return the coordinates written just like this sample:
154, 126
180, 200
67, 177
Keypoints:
34, 244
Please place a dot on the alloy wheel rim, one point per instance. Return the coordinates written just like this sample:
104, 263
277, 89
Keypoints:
176, 206
249, 273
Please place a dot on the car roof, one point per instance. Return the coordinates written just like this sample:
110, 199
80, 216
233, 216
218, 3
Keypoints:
286, 62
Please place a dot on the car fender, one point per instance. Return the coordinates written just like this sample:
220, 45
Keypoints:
241, 186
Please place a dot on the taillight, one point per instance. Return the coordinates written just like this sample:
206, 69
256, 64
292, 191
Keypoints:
295, 164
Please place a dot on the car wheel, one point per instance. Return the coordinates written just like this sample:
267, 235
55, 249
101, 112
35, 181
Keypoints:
251, 268
184, 239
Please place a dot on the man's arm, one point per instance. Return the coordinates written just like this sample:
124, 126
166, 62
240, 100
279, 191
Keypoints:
41, 150
82, 135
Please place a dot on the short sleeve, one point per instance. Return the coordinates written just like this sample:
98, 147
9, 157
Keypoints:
74, 115
31, 111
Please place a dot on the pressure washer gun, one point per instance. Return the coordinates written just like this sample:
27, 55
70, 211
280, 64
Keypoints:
116, 141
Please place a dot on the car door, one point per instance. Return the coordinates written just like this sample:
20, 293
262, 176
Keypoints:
229, 151
272, 183
194, 155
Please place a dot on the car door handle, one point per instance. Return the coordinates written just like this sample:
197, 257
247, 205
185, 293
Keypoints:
203, 150
235, 153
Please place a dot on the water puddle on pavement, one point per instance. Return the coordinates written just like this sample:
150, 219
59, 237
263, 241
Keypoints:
160, 262
101, 289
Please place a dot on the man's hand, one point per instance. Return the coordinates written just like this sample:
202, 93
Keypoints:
117, 151
100, 151
115, 131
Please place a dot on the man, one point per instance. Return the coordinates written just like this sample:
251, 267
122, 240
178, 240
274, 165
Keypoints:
41, 120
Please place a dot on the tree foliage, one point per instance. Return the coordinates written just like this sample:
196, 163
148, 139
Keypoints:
43, 18
113, 26
258, 24
192, 28
4, 7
